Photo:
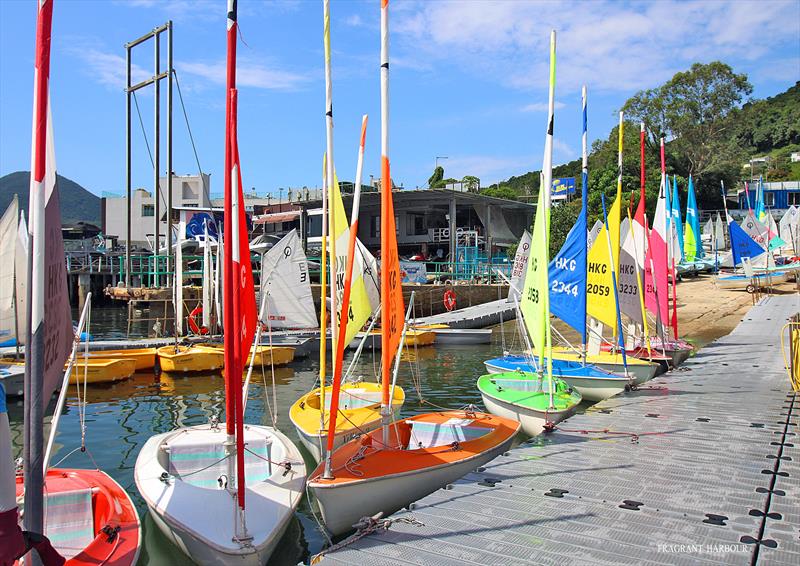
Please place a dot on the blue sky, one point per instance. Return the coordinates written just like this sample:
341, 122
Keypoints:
468, 80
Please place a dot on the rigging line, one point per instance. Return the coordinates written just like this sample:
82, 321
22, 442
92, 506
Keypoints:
191, 137
144, 132
147, 143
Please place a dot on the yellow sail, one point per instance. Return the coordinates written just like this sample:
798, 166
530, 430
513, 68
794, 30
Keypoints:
359, 309
535, 293
600, 302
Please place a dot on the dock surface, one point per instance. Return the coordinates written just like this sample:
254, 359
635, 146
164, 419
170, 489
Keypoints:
700, 466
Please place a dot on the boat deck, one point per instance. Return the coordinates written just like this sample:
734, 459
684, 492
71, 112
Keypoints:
702, 466
476, 316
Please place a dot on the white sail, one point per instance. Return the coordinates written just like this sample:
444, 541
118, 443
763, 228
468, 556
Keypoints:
593, 234
8, 248
520, 267
630, 261
790, 229
369, 267
719, 233
285, 276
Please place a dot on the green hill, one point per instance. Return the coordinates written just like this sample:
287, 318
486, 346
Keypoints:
77, 204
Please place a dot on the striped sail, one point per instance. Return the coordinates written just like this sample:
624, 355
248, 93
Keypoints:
693, 245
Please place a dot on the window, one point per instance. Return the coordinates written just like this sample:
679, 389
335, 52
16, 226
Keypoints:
415, 224
375, 227
794, 199
769, 199
148, 210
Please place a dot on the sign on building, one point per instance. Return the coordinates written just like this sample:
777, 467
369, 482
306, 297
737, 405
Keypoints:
563, 187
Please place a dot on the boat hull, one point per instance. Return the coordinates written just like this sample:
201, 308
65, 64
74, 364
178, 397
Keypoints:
529, 406
110, 505
12, 376
144, 358
197, 519
305, 416
190, 359
343, 503
101, 370
591, 383
463, 336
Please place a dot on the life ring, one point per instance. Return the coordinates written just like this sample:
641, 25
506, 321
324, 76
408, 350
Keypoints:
198, 310
449, 299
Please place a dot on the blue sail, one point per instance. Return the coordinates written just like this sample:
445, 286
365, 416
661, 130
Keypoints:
676, 214
567, 277
742, 244
567, 270
693, 225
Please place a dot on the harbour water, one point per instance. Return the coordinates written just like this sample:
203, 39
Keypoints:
120, 418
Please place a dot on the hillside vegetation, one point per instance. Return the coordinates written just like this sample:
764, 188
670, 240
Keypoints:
77, 204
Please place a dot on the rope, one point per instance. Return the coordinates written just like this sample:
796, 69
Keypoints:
634, 436
144, 132
191, 138
366, 526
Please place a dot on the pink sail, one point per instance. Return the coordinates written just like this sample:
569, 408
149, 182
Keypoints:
655, 264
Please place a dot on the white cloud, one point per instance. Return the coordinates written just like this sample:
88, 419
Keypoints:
248, 74
488, 168
109, 69
354, 20
608, 45
541, 106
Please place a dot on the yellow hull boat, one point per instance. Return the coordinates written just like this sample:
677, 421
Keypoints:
102, 370
145, 358
182, 359
266, 355
415, 337
359, 412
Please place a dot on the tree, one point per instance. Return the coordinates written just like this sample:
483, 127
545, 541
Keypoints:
436, 178
471, 183
693, 107
502, 191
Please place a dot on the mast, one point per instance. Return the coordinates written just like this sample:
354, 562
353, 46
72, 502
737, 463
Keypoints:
391, 292
340, 343
323, 308
227, 275
386, 196
584, 210
329, 173
547, 173
618, 330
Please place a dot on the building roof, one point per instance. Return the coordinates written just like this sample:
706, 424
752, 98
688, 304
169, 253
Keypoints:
427, 197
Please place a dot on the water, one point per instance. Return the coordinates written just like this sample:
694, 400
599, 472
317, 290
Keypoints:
121, 417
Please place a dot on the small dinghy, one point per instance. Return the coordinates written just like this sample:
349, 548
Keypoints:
641, 370
89, 518
359, 406
458, 336
593, 383
183, 477
423, 454
145, 358
103, 370
185, 359
12, 378
525, 397
224, 494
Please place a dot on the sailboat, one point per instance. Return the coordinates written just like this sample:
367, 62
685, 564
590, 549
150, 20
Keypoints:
536, 400
386, 469
225, 493
357, 401
87, 516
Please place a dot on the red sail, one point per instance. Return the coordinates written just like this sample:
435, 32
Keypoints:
51, 319
239, 336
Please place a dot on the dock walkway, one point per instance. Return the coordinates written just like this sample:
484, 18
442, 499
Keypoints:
702, 466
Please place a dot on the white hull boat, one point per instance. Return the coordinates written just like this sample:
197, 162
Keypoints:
182, 476
462, 336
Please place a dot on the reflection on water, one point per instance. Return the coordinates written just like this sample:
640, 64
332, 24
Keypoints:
121, 417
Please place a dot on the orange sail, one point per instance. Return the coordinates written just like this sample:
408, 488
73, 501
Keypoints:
392, 310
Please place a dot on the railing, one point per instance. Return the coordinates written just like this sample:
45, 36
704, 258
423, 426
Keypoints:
481, 271
791, 355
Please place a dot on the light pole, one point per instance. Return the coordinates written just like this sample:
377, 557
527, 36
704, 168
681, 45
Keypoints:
280, 198
436, 161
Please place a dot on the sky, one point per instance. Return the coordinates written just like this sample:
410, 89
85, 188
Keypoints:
468, 81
